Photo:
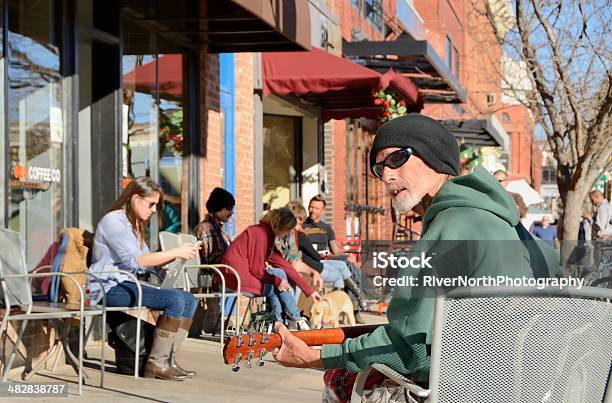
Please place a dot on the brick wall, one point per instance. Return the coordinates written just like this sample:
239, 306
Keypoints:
379, 227
245, 158
526, 157
443, 17
211, 126
480, 74
212, 136
350, 17
472, 34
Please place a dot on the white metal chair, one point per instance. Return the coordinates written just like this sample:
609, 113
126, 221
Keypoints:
19, 306
517, 345
168, 240
126, 309
191, 269
190, 279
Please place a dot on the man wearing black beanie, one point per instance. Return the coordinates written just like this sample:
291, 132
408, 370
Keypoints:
215, 241
418, 160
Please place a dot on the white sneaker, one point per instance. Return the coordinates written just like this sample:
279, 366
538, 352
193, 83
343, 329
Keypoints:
296, 325
303, 324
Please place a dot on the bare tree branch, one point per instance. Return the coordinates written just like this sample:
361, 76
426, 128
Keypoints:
578, 131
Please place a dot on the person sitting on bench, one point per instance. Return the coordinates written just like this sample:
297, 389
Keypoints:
120, 243
262, 269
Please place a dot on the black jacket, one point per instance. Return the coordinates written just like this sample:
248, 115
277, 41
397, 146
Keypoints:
309, 255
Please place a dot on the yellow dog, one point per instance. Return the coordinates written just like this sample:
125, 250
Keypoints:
330, 308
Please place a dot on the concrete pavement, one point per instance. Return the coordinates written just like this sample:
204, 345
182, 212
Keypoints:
215, 381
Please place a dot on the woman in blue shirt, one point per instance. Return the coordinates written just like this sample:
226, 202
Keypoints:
120, 243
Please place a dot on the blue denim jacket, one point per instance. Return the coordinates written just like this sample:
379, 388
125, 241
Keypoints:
115, 247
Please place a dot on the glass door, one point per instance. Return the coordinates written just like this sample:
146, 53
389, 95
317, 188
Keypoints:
282, 162
36, 124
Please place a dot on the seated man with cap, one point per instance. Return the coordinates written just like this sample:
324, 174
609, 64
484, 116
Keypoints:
215, 241
418, 160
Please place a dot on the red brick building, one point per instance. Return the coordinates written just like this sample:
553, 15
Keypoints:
463, 39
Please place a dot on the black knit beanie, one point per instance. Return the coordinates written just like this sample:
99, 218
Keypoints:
219, 199
428, 138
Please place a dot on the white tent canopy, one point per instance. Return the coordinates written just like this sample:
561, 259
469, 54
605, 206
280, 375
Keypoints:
530, 195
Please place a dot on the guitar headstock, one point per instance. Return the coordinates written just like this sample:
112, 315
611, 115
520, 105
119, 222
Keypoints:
249, 347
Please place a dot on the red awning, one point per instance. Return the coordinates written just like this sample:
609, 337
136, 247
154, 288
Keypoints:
170, 76
340, 87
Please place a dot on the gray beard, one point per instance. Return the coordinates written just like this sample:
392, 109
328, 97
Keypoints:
404, 204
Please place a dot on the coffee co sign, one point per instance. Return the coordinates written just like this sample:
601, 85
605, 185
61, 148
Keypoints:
39, 174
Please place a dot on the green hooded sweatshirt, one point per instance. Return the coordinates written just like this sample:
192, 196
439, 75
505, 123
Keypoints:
471, 229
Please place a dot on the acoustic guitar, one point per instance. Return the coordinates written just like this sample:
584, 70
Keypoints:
246, 348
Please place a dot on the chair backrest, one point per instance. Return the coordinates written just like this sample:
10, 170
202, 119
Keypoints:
193, 274
55, 267
168, 240
12, 262
517, 347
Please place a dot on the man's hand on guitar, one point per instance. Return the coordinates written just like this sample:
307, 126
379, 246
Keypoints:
294, 352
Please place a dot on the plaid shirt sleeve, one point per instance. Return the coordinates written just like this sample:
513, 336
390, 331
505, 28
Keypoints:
214, 242
203, 233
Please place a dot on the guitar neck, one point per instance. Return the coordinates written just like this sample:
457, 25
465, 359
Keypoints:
247, 347
320, 337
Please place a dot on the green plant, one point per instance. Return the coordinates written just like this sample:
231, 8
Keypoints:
391, 105
171, 132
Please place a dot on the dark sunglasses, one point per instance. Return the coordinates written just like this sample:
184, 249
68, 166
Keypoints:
394, 160
150, 203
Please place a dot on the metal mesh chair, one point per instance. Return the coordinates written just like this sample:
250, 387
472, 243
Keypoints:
19, 306
168, 240
519, 345
191, 276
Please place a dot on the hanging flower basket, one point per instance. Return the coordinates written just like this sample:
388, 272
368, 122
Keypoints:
171, 132
392, 106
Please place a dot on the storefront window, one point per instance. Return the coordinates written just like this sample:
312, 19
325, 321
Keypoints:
36, 129
281, 183
154, 128
3, 154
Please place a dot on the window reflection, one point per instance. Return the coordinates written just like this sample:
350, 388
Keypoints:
36, 131
280, 140
154, 142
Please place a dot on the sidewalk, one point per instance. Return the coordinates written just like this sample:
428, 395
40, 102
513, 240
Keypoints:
215, 381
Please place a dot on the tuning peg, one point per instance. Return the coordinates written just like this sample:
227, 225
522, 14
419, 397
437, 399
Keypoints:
250, 359
266, 336
252, 339
237, 360
262, 354
239, 341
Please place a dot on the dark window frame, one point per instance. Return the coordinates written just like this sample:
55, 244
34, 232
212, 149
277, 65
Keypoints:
373, 11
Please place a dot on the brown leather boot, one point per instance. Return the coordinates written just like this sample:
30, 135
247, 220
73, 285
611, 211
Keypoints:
158, 365
181, 335
352, 286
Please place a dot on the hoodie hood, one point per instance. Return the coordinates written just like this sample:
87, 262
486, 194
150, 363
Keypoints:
478, 190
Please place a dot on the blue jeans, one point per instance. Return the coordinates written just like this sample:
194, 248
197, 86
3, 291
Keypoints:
279, 300
175, 303
335, 271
